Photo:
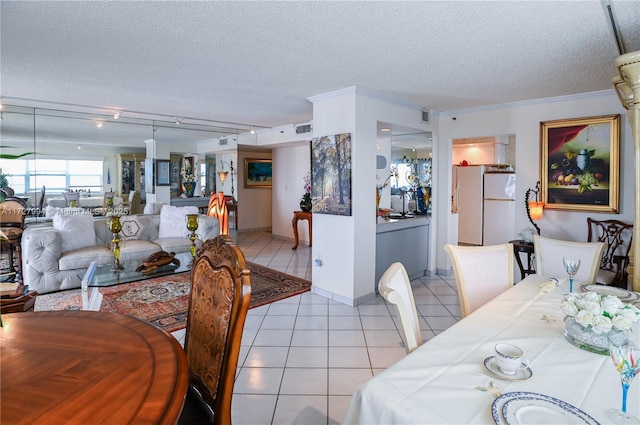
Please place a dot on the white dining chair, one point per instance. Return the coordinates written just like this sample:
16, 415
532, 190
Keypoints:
481, 273
395, 287
549, 253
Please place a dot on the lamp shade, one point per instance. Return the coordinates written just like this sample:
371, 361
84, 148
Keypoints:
223, 176
535, 209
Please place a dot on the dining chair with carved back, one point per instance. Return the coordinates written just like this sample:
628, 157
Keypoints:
617, 237
12, 214
218, 305
550, 253
481, 273
395, 287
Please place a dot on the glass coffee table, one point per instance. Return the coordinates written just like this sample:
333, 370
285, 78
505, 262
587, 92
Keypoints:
103, 276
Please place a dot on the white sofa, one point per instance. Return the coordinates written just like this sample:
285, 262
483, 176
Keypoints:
50, 262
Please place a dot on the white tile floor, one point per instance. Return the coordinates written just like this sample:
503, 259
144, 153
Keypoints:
303, 357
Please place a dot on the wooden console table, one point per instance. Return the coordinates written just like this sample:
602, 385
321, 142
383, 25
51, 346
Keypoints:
297, 216
526, 248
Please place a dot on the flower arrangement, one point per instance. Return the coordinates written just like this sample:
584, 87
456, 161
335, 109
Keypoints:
600, 313
187, 172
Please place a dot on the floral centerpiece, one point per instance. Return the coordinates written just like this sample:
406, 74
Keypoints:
591, 317
305, 202
189, 175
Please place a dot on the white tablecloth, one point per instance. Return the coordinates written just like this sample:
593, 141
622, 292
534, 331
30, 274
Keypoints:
441, 382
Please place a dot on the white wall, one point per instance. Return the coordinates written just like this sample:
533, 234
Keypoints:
289, 168
523, 120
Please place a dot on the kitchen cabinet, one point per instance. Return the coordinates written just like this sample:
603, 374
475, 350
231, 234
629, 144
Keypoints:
403, 240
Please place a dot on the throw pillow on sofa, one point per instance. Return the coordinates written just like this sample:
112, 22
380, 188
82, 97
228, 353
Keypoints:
76, 231
132, 227
173, 222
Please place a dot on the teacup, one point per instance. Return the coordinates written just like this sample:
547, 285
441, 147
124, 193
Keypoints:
509, 358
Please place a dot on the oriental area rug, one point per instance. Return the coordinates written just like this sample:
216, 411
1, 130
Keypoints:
163, 301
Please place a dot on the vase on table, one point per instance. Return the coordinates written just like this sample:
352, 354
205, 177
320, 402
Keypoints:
585, 338
305, 203
189, 188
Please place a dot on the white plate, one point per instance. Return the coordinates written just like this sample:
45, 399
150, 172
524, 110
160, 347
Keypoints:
523, 408
623, 294
521, 374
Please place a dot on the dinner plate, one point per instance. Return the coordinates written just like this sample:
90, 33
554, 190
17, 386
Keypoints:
623, 294
523, 408
521, 374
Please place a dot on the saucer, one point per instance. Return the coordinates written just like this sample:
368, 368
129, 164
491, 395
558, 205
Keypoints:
491, 363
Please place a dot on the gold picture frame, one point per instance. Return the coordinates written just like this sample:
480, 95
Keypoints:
579, 167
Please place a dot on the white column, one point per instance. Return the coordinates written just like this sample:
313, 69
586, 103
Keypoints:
627, 84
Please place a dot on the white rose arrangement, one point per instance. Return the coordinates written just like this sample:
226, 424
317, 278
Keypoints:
600, 313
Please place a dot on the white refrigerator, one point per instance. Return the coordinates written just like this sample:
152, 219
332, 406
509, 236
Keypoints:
486, 205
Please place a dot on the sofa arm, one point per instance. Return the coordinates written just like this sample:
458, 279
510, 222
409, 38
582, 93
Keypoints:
208, 227
41, 250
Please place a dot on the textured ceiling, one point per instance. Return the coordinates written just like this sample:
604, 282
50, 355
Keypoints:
257, 62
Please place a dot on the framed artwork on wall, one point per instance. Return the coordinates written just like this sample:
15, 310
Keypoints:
580, 164
331, 174
162, 172
257, 173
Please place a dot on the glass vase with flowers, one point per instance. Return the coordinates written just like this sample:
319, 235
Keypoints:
591, 319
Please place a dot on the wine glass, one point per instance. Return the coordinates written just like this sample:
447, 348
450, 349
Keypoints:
626, 358
571, 265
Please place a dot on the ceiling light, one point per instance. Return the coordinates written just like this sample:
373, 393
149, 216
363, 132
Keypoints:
99, 124
79, 147
178, 120
385, 129
116, 115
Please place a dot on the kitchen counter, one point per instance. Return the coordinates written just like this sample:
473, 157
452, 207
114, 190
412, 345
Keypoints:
404, 240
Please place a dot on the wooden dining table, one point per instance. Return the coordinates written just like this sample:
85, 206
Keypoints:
86, 367
445, 381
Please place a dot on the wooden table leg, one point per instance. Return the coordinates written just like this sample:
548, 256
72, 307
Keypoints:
294, 223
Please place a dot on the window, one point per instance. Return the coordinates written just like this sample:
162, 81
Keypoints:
57, 175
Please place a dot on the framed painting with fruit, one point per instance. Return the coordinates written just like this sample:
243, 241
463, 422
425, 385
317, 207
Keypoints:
580, 164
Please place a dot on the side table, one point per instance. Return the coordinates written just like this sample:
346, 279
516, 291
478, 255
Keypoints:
522, 246
297, 216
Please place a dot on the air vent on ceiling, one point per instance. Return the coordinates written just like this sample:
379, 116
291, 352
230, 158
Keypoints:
223, 142
425, 116
303, 129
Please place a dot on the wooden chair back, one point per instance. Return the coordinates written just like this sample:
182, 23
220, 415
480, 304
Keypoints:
481, 272
218, 305
617, 237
